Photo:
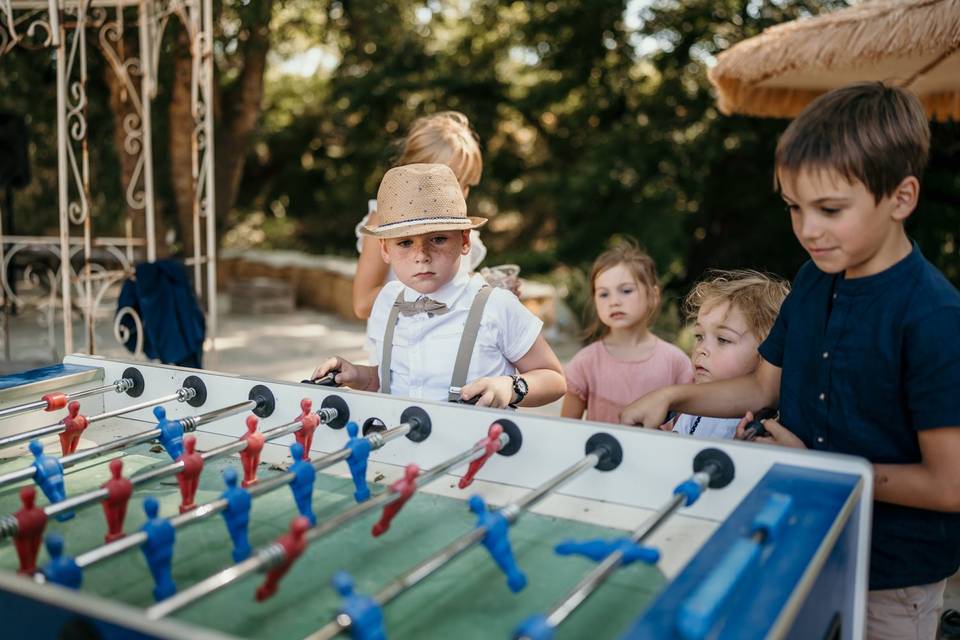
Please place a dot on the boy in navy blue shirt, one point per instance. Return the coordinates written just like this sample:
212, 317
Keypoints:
864, 358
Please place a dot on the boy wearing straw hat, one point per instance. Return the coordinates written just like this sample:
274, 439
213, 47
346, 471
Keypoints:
437, 333
863, 358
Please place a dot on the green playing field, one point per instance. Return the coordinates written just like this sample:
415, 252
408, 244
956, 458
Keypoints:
466, 599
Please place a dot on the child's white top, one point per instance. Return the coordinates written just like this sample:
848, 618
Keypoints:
425, 348
706, 427
478, 251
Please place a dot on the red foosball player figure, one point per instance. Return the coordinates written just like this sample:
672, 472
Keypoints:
491, 444
405, 487
119, 490
74, 425
31, 521
250, 456
189, 478
293, 543
309, 422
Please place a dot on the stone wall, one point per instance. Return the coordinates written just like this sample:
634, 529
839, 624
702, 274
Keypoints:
326, 282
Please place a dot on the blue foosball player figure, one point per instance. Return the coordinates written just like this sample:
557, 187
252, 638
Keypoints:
366, 616
497, 541
237, 514
61, 569
359, 452
304, 476
48, 474
171, 433
158, 549
598, 549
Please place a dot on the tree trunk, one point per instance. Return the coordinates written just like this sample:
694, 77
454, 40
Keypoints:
181, 129
239, 108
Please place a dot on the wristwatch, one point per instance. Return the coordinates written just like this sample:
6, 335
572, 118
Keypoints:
520, 389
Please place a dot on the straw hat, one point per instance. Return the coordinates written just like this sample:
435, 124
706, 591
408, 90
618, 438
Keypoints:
420, 198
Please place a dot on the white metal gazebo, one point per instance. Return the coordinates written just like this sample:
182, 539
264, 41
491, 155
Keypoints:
63, 28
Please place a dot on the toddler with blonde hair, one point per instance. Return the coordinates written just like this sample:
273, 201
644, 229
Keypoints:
732, 313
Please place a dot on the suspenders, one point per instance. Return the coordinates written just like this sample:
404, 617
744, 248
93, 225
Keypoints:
464, 353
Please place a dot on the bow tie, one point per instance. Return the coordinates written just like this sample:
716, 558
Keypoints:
423, 304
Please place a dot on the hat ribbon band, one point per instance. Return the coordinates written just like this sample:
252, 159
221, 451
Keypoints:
419, 221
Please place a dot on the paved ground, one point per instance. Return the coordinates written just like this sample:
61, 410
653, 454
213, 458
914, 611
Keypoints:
278, 346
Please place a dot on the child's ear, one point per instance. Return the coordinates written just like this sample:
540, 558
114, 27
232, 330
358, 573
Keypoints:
905, 198
464, 243
383, 251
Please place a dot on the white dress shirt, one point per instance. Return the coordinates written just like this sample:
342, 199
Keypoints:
425, 348
706, 427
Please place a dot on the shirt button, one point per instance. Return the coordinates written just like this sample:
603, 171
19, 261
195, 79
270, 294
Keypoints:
820, 439
826, 354
823, 396
834, 296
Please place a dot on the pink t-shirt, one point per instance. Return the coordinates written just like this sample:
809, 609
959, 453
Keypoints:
608, 385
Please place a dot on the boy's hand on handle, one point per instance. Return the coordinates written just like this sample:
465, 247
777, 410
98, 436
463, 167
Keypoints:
496, 391
779, 434
349, 375
649, 411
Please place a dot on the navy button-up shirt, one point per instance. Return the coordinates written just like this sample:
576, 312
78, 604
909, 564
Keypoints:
866, 364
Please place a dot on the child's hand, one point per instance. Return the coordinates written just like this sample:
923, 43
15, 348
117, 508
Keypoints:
496, 392
649, 411
779, 434
349, 375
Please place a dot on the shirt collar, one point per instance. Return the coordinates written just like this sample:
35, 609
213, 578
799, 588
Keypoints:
448, 294
882, 280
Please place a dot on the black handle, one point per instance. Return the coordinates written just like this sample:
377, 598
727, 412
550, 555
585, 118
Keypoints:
325, 381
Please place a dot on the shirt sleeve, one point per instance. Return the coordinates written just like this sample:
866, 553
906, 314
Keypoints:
478, 250
371, 207
773, 347
578, 383
932, 369
518, 326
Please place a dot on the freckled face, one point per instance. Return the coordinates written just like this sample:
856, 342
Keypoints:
428, 261
725, 347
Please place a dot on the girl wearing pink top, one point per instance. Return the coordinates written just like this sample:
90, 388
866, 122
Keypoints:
627, 360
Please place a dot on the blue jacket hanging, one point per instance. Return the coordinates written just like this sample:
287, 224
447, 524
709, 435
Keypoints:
173, 323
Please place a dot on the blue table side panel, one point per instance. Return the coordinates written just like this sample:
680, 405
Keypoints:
43, 373
818, 498
25, 618
830, 595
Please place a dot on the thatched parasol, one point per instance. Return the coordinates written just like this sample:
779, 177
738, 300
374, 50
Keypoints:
912, 43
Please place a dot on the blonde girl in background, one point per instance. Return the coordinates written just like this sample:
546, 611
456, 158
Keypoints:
442, 138
626, 360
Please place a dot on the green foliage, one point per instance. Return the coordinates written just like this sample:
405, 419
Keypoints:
595, 121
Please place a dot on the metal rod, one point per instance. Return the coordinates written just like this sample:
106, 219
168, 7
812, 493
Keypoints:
92, 497
189, 424
216, 506
181, 395
440, 559
271, 554
562, 609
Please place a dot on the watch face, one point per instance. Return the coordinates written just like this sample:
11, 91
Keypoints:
521, 386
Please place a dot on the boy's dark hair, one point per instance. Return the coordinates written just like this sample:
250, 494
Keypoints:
868, 131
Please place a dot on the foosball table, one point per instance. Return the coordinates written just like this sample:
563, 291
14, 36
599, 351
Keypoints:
148, 501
